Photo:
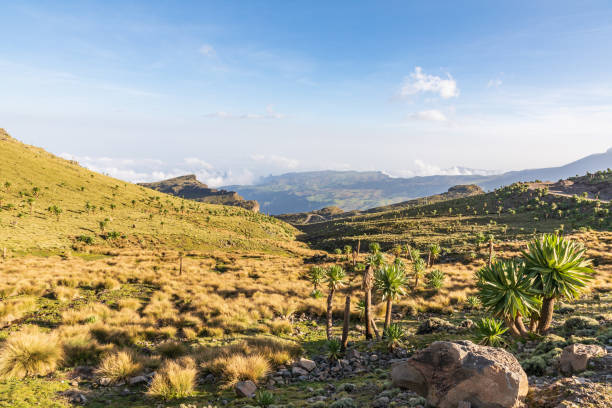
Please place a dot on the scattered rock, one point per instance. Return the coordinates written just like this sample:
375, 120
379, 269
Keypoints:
448, 373
381, 402
297, 371
575, 357
434, 325
307, 364
105, 381
245, 389
137, 380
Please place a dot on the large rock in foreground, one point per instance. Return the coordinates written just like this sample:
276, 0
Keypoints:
449, 373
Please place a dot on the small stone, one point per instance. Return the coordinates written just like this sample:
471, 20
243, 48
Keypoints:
245, 389
373, 357
104, 381
307, 364
297, 371
137, 380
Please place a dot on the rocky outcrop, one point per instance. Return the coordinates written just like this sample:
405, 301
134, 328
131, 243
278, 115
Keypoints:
575, 357
189, 187
451, 373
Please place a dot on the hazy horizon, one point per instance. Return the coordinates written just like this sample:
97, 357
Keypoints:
233, 92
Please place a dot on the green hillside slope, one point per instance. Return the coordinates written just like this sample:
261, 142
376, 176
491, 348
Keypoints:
461, 225
50, 203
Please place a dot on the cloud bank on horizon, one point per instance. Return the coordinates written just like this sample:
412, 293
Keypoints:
233, 92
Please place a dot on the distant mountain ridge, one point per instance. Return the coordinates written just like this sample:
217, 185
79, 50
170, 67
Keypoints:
190, 187
360, 190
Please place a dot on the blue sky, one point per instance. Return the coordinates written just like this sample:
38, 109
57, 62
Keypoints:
233, 90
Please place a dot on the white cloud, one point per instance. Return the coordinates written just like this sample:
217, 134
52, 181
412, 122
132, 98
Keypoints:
433, 115
193, 161
422, 168
494, 83
207, 50
276, 160
137, 170
419, 82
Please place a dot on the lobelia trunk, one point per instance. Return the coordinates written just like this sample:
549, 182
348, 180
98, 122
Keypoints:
520, 326
329, 313
512, 327
367, 287
546, 314
387, 315
376, 333
345, 324
533, 323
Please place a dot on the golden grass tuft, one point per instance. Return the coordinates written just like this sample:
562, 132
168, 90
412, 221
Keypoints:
30, 353
239, 367
119, 366
174, 380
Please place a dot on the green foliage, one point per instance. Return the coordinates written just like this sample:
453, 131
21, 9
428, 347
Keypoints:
393, 336
334, 349
505, 289
390, 280
473, 302
264, 398
435, 279
558, 266
316, 275
334, 276
86, 239
343, 403
489, 332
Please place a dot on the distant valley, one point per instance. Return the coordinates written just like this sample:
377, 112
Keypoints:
355, 190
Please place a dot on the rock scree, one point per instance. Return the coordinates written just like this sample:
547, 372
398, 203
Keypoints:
449, 373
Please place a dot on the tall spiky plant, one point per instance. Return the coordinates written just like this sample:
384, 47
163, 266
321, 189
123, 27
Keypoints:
559, 269
390, 280
506, 291
373, 262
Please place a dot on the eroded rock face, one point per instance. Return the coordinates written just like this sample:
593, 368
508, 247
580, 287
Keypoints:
449, 373
575, 357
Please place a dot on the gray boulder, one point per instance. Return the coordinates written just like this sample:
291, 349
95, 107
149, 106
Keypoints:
245, 389
461, 372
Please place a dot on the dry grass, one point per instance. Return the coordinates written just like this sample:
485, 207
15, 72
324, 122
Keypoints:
174, 380
30, 353
118, 366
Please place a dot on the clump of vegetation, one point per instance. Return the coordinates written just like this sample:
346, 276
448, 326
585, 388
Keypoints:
435, 279
394, 336
489, 332
119, 366
174, 380
264, 398
29, 353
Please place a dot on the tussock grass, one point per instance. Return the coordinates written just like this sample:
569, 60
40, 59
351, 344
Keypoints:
29, 353
118, 366
174, 380
16, 308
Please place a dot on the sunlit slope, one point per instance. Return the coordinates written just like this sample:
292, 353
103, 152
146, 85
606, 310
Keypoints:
461, 225
51, 203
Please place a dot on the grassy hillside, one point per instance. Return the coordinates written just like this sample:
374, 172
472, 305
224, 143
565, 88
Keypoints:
330, 213
459, 225
49, 203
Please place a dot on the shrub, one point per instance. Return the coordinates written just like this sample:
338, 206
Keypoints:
119, 366
343, 403
489, 332
435, 279
86, 239
264, 398
29, 353
393, 336
334, 349
174, 380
